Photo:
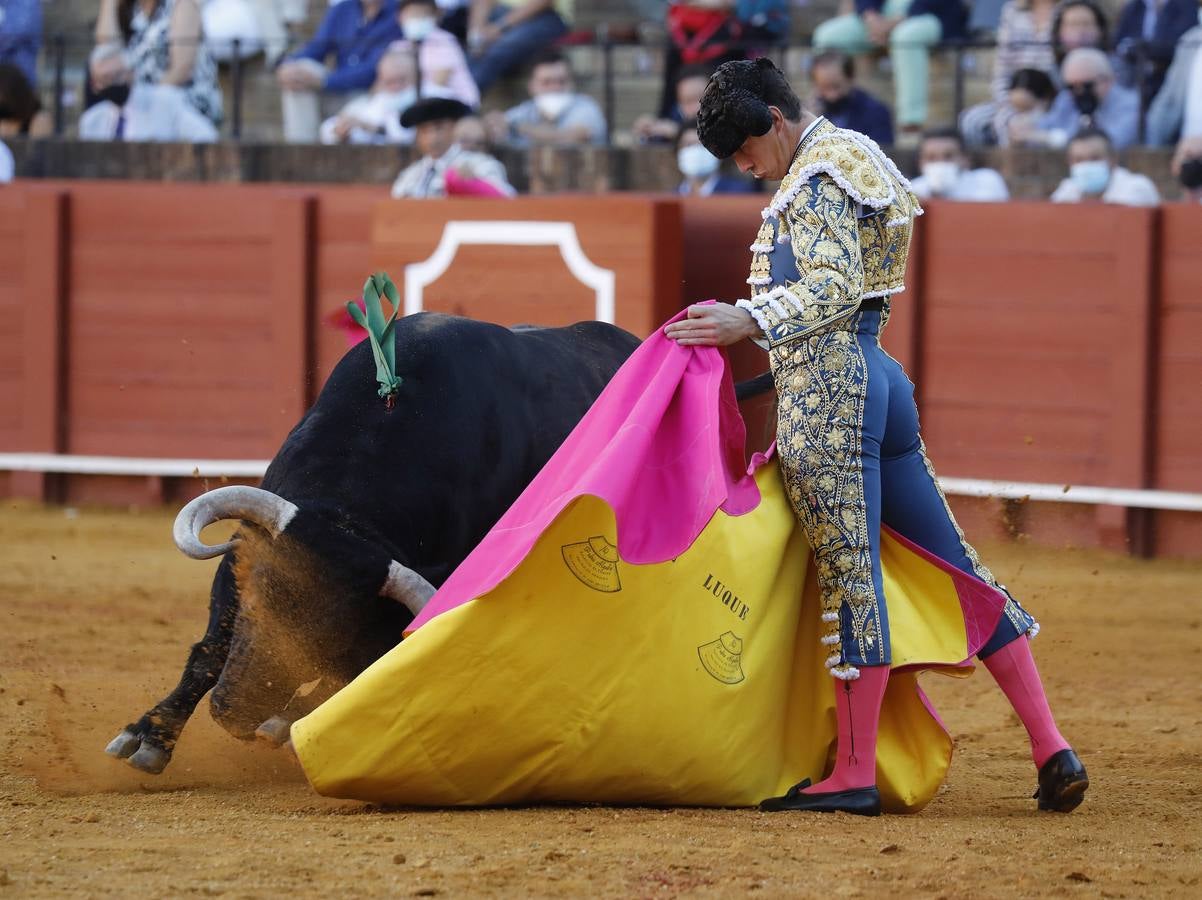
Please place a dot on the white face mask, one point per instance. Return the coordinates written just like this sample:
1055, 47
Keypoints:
1090, 176
941, 176
418, 29
696, 162
552, 105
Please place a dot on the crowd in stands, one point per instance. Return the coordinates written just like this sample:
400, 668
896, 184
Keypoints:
376, 71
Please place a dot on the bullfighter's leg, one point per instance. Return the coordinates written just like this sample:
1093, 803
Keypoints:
914, 505
148, 743
831, 418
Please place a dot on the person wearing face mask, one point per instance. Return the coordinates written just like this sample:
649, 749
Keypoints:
374, 117
555, 114
445, 167
1095, 176
441, 59
1090, 97
844, 103
700, 168
946, 172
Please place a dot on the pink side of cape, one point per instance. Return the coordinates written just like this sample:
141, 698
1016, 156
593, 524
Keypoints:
663, 446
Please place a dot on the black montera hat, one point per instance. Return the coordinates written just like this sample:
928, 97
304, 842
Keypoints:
733, 107
434, 109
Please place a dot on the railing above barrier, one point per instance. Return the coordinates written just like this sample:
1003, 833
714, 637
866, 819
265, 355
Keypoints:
1138, 56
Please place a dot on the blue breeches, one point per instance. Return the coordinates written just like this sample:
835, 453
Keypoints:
852, 459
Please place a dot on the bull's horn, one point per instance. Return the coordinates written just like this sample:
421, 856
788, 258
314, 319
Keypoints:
265, 509
407, 587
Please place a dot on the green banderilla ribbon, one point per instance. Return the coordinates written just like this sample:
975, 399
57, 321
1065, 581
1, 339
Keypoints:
379, 330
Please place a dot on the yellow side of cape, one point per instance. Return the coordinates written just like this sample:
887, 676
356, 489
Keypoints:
696, 681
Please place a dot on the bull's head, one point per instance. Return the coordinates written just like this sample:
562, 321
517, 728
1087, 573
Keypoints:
315, 601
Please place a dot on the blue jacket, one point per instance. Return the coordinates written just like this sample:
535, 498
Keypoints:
1175, 19
1117, 115
952, 14
355, 44
21, 35
862, 112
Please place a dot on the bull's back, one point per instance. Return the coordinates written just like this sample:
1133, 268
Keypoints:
479, 411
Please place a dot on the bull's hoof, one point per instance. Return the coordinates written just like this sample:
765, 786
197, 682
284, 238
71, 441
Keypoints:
275, 731
123, 745
150, 759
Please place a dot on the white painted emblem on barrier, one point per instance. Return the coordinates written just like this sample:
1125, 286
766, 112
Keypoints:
512, 234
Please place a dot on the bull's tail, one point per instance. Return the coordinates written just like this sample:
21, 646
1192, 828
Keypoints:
753, 387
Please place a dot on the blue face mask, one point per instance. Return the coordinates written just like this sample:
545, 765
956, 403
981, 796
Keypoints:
1091, 176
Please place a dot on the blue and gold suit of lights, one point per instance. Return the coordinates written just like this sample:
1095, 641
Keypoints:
830, 253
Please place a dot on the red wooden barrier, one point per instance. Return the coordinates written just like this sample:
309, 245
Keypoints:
1178, 375
1050, 344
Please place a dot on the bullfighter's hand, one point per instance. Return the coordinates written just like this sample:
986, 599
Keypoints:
713, 325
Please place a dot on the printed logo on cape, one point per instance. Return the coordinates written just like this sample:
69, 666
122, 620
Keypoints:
594, 563
723, 658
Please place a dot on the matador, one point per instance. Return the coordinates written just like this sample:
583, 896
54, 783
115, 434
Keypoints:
829, 255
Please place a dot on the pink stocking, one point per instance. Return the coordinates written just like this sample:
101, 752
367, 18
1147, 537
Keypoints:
858, 710
1013, 668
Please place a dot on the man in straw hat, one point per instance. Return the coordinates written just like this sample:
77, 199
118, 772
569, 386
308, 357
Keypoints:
445, 167
830, 253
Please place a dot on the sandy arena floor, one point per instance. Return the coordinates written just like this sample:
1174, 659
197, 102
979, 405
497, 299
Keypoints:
97, 610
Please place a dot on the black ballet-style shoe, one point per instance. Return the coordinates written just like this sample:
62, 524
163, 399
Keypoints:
1062, 783
857, 802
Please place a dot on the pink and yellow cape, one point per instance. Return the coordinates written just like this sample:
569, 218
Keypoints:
641, 626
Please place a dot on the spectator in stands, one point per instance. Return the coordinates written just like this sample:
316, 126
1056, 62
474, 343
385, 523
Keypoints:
690, 85
1028, 100
700, 33
1187, 166
838, 98
1024, 36
1091, 98
701, 169
947, 173
909, 28
1145, 37
1176, 111
374, 117
21, 35
763, 22
503, 34
153, 76
554, 114
20, 110
356, 33
441, 58
445, 167
1078, 23
1094, 175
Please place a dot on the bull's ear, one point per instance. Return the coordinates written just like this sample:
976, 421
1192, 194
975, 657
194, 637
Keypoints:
406, 587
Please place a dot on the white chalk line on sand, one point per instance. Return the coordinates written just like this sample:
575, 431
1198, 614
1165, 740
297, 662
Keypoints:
71, 464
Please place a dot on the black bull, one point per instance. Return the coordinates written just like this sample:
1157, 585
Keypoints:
365, 509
